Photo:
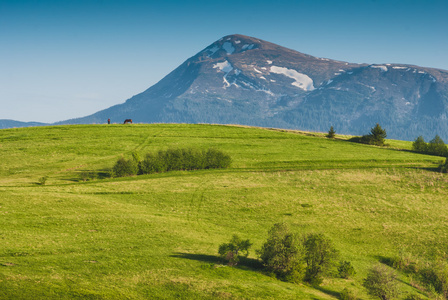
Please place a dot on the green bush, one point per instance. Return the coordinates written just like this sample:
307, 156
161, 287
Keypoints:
86, 175
419, 145
437, 147
283, 254
42, 180
125, 167
345, 269
346, 294
381, 282
234, 249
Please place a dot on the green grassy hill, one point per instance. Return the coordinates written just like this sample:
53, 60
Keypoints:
157, 236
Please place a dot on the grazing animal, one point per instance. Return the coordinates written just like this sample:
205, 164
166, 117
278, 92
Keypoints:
127, 121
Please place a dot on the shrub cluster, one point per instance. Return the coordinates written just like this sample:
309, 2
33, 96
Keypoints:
377, 136
435, 147
294, 259
171, 160
290, 257
434, 275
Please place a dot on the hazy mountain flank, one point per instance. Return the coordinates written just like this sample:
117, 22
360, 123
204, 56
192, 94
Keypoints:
244, 80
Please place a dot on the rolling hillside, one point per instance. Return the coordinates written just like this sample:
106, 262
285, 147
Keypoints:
157, 236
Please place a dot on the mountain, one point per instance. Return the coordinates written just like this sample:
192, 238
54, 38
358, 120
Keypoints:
245, 80
4, 123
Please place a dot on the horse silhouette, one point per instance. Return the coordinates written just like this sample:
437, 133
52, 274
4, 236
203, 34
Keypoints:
127, 121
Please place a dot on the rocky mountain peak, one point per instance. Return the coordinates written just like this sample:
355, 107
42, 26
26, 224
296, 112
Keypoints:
245, 80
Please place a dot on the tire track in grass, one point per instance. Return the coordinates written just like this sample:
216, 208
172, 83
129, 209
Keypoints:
147, 141
195, 206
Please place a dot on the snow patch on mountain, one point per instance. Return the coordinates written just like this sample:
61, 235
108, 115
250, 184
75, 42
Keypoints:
301, 80
228, 47
248, 47
225, 67
383, 68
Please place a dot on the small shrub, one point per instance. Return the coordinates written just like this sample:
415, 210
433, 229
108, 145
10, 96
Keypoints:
345, 269
42, 180
346, 294
125, 167
86, 176
381, 282
232, 251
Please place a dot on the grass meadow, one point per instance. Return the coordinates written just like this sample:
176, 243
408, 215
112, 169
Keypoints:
157, 236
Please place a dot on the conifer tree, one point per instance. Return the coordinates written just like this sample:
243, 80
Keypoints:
331, 133
377, 135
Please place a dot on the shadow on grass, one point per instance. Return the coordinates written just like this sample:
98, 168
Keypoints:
244, 263
389, 261
328, 291
90, 175
434, 169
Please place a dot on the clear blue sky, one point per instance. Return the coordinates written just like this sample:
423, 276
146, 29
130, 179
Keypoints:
70, 58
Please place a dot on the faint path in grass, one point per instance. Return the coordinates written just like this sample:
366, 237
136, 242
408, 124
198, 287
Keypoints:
147, 140
93, 162
196, 202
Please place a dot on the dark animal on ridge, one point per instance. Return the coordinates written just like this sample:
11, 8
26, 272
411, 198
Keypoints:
127, 121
